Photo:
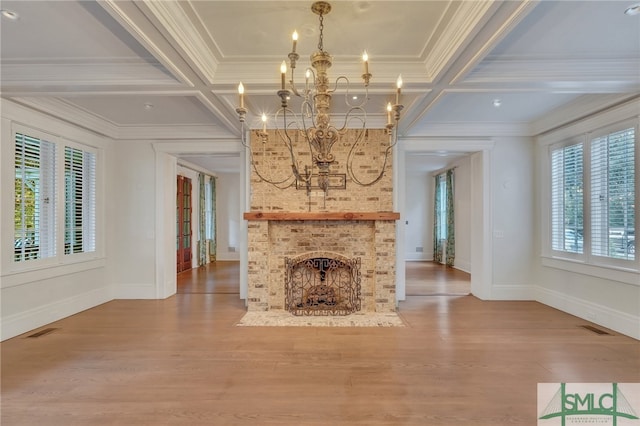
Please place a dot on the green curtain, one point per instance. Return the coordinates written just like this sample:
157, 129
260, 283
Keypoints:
451, 237
202, 225
212, 241
437, 243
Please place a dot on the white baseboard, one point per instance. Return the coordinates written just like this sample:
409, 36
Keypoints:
511, 292
228, 256
615, 320
415, 257
134, 291
463, 266
23, 322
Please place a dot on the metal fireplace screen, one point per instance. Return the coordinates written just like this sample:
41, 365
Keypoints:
322, 286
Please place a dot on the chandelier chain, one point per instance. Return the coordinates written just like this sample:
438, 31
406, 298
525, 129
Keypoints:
320, 39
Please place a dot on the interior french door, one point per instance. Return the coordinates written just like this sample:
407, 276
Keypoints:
183, 224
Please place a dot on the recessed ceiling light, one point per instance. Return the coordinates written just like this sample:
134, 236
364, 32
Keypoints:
148, 106
10, 14
497, 103
633, 10
355, 97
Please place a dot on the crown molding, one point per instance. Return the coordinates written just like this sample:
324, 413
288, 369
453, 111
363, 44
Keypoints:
115, 73
182, 30
71, 114
553, 72
264, 74
79, 117
569, 120
465, 21
208, 146
181, 132
417, 144
469, 130
31, 117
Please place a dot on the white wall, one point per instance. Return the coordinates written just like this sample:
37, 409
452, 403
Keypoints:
462, 213
513, 217
37, 296
132, 225
228, 216
418, 216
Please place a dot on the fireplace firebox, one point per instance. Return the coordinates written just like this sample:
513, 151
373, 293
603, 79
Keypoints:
321, 285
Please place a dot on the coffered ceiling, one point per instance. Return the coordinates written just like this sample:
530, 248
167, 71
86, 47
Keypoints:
170, 69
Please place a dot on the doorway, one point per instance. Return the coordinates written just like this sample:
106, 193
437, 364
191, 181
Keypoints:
184, 231
216, 207
439, 209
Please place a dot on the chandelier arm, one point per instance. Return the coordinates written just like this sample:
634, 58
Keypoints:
350, 157
275, 183
286, 138
376, 179
243, 136
305, 131
350, 115
347, 94
313, 79
292, 83
309, 106
335, 85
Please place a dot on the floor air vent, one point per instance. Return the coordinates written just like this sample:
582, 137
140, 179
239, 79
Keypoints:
42, 332
595, 330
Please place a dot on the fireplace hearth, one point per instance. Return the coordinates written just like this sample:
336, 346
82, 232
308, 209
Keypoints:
320, 285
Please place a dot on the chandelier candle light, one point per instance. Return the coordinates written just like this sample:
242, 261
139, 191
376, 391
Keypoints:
313, 122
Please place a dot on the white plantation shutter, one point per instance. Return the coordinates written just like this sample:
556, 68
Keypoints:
567, 198
35, 209
613, 194
80, 201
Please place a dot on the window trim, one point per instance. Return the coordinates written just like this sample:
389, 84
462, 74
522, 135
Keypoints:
10, 266
625, 271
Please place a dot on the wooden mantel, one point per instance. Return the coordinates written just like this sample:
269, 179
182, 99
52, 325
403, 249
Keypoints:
321, 216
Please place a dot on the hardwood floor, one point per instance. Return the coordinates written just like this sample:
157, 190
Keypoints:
220, 277
182, 361
422, 279
431, 279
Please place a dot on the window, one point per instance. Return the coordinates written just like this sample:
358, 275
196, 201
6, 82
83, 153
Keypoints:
55, 201
613, 195
593, 197
80, 201
35, 198
566, 199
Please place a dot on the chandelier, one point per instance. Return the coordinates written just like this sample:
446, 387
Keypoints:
312, 124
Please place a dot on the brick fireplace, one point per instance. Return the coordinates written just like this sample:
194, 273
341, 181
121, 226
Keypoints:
352, 225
